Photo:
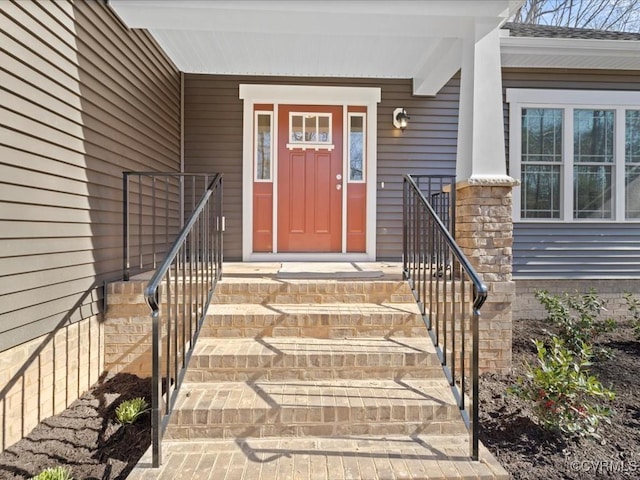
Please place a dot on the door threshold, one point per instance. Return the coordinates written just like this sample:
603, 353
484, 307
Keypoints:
309, 257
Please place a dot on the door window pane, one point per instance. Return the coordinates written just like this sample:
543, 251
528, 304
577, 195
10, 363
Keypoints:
356, 147
310, 128
324, 129
263, 146
297, 129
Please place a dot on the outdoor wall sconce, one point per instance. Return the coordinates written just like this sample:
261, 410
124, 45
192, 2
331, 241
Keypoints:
400, 118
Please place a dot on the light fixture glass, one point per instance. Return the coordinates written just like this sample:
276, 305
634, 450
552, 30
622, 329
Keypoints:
400, 118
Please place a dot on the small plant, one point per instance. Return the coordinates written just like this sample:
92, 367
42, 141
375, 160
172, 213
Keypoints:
54, 473
130, 410
562, 391
634, 308
576, 319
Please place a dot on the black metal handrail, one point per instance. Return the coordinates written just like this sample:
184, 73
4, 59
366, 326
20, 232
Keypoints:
449, 293
154, 208
187, 278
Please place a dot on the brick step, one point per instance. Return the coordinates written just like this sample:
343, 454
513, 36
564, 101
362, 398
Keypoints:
287, 358
270, 290
420, 457
327, 408
324, 320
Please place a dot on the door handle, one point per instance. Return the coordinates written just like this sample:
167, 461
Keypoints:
339, 186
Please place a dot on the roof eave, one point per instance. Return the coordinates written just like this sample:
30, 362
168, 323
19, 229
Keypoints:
539, 52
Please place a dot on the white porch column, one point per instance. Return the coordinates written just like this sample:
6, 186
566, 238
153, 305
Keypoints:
484, 220
481, 151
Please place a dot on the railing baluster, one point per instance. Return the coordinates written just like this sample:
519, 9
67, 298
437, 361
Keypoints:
166, 215
183, 290
140, 222
463, 333
158, 202
450, 309
153, 221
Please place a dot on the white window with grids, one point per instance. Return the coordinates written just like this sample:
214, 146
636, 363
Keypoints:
577, 154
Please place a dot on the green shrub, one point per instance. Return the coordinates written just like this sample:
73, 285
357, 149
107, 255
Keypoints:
576, 319
634, 308
130, 410
54, 473
562, 391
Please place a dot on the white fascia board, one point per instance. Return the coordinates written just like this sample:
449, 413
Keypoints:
569, 53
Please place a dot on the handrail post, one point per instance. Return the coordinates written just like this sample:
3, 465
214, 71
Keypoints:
475, 386
156, 389
125, 227
404, 227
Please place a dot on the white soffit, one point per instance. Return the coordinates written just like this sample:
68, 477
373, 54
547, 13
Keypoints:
357, 38
570, 53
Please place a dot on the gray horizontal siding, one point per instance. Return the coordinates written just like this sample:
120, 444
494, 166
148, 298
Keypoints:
426, 147
576, 250
573, 250
213, 143
82, 99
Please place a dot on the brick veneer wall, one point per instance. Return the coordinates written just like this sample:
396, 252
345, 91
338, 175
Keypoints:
611, 290
484, 231
127, 329
42, 377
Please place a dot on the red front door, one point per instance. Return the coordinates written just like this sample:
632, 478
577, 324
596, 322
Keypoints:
310, 178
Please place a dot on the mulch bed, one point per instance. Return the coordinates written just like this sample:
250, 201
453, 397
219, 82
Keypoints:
86, 436
509, 431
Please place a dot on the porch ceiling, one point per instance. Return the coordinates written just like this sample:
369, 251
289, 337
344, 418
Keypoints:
358, 38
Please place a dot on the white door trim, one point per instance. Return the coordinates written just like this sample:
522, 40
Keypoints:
307, 95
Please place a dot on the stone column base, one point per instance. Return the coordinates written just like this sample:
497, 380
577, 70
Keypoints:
484, 231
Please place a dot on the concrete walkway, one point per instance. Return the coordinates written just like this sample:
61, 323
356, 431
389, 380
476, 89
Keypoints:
370, 458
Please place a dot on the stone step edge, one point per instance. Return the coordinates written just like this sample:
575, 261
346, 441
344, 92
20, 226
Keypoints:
403, 308
356, 401
221, 298
176, 431
337, 353
301, 374
355, 345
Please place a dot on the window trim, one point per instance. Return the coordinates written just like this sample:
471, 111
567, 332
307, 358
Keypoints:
568, 101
